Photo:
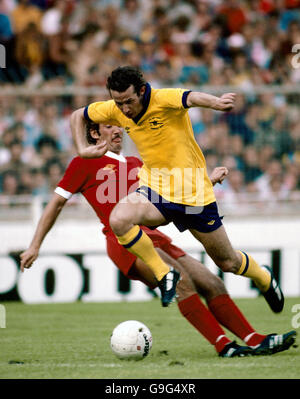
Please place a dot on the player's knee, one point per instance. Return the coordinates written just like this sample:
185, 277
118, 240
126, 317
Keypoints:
118, 223
216, 287
230, 265
185, 288
211, 287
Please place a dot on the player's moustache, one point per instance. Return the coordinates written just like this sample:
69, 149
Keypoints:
117, 136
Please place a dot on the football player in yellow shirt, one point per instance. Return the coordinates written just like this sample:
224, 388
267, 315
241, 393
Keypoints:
174, 185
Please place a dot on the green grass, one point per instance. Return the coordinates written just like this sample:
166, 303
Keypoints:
72, 341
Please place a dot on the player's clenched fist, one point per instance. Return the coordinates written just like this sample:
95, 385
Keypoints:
94, 151
226, 101
27, 258
218, 174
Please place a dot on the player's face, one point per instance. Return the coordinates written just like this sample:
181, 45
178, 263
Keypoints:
113, 135
128, 101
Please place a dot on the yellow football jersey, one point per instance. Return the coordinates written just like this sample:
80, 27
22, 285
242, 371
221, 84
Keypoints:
174, 165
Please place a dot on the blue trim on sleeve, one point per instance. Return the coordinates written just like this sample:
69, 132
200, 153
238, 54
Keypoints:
184, 98
86, 114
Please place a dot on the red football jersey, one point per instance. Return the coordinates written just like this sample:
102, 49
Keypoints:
102, 181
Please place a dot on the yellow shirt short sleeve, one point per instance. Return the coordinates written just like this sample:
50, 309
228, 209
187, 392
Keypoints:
101, 112
172, 98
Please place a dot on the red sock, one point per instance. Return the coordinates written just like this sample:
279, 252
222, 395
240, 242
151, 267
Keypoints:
254, 339
230, 316
200, 317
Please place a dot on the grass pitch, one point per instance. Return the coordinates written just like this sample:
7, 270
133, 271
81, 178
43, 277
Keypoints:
66, 341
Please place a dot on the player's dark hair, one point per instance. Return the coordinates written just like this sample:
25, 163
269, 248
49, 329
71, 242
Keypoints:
91, 126
123, 77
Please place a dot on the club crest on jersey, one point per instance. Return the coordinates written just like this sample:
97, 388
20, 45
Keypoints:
110, 166
155, 123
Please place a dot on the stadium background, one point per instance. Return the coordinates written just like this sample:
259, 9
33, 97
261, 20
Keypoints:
58, 55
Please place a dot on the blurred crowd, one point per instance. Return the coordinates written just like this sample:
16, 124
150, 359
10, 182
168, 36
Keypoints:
217, 42
176, 43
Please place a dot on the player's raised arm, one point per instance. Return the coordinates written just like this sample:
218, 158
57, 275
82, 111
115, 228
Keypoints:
78, 128
47, 220
223, 103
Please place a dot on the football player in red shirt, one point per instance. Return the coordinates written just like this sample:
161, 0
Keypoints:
106, 180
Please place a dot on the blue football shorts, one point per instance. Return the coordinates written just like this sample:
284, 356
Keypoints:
201, 218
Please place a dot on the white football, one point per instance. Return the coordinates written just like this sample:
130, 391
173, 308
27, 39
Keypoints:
131, 340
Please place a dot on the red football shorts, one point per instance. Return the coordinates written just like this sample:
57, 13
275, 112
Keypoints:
124, 260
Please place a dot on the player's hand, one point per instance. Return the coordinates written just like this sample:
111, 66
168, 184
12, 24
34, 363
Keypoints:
94, 151
218, 175
28, 257
226, 102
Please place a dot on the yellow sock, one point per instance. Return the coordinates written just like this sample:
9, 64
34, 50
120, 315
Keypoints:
138, 243
250, 268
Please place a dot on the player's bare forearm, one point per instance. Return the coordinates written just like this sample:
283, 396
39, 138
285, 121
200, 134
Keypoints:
77, 122
223, 103
78, 129
47, 220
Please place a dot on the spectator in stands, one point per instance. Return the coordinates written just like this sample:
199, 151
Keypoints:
241, 71
237, 121
9, 183
292, 176
220, 29
295, 136
85, 71
6, 141
131, 18
15, 162
266, 182
56, 28
30, 53
163, 28
233, 192
233, 15
52, 19
236, 183
53, 171
25, 14
178, 8
237, 150
26, 183
251, 167
6, 32
39, 182
47, 148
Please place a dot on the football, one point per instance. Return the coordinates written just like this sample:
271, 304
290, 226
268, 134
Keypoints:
131, 340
